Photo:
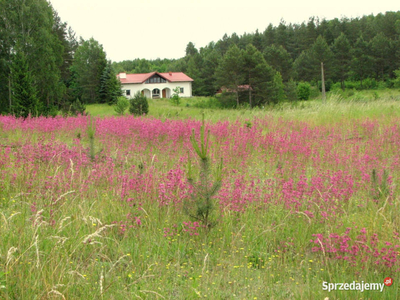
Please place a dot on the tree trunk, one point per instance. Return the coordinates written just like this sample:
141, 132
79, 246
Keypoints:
237, 98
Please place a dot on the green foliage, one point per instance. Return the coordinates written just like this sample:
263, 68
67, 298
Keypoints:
341, 51
202, 204
175, 99
303, 91
362, 62
73, 108
227, 100
209, 102
121, 106
139, 105
91, 132
229, 73
29, 27
88, 67
291, 90
277, 89
24, 100
381, 49
279, 59
258, 75
110, 86
396, 81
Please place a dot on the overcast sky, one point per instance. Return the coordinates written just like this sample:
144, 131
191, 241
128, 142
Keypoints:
130, 29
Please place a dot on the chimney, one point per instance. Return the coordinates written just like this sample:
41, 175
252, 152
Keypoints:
170, 73
122, 75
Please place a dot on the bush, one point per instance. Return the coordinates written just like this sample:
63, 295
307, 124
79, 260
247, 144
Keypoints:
73, 108
328, 85
121, 105
290, 90
396, 82
303, 91
207, 102
227, 100
175, 99
139, 105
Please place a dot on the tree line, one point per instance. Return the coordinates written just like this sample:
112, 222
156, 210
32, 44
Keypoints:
43, 65
359, 49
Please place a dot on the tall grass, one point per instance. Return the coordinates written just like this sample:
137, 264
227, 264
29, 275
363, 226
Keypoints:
339, 107
309, 193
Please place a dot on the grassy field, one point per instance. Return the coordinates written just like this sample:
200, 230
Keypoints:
338, 107
309, 197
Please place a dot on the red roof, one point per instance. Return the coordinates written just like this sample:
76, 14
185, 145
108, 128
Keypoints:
140, 78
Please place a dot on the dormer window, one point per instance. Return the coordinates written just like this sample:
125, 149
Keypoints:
155, 79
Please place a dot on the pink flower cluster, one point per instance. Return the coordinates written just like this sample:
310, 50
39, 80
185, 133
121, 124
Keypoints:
359, 250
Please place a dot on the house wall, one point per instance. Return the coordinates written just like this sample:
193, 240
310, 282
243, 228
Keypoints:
134, 87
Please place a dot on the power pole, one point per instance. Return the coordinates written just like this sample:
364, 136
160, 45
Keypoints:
9, 92
323, 82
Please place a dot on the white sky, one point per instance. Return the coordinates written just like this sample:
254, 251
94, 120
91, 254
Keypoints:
130, 29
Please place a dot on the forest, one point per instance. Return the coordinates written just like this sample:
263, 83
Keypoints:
361, 53
45, 67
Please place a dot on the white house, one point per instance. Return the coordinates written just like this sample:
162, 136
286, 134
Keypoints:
156, 85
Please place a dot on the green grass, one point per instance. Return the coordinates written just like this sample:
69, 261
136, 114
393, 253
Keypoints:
85, 255
339, 107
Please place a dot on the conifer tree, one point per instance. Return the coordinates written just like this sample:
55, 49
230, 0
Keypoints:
257, 74
229, 73
110, 86
341, 50
24, 100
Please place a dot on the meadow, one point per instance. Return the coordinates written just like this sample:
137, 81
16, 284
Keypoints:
93, 207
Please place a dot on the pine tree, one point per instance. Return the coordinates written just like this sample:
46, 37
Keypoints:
341, 50
279, 59
110, 86
257, 74
277, 89
381, 48
229, 73
87, 68
24, 100
362, 62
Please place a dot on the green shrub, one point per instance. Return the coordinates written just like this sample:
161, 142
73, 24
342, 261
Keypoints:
175, 99
208, 102
121, 105
73, 108
227, 100
303, 91
139, 105
290, 90
328, 85
396, 82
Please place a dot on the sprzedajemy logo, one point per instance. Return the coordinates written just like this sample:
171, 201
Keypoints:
356, 286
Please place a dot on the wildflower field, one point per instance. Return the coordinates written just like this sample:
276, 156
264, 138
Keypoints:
93, 208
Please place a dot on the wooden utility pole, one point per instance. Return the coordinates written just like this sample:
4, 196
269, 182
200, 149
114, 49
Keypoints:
323, 82
9, 91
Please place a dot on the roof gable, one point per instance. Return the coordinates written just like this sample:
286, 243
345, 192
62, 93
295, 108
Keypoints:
141, 78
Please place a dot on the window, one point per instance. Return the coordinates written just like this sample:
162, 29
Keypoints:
181, 90
128, 92
155, 79
156, 93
